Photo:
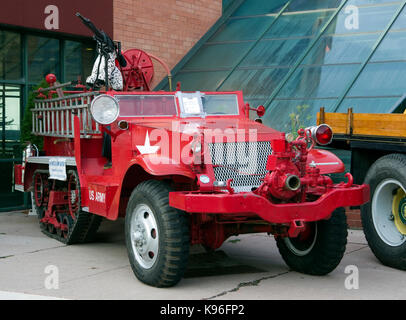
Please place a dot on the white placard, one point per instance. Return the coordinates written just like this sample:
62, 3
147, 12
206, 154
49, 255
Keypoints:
57, 169
191, 105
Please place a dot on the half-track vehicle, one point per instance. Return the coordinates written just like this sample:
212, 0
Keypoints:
182, 168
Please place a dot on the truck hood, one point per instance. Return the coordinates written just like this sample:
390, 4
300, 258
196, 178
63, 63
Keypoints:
220, 126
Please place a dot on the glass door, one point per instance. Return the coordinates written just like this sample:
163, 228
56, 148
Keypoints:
10, 146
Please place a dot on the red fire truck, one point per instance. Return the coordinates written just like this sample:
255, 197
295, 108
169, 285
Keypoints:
186, 168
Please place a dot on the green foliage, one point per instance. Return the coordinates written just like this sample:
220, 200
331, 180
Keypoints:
26, 126
299, 119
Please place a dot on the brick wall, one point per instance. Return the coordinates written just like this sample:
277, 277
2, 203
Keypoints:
167, 29
353, 218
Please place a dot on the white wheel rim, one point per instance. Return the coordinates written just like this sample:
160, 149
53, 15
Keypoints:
298, 251
382, 215
144, 236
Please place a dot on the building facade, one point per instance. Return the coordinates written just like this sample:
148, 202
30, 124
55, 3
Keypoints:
291, 56
40, 37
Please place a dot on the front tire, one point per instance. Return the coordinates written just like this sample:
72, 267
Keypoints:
384, 217
320, 248
157, 235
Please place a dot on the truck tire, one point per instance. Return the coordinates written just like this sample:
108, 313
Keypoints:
39, 193
319, 250
157, 235
384, 217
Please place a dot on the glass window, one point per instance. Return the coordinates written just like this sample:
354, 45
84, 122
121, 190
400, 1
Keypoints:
10, 55
218, 56
371, 19
290, 115
381, 79
298, 24
197, 104
242, 29
259, 7
400, 22
302, 5
341, 49
276, 53
220, 104
392, 47
368, 105
9, 116
148, 105
43, 58
318, 81
256, 83
200, 81
369, 2
10, 146
78, 60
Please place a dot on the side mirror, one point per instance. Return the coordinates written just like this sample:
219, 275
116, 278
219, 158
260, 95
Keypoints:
260, 110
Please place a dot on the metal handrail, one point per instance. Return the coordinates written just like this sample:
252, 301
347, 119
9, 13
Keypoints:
55, 117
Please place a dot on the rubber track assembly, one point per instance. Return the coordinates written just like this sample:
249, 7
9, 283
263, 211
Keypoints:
79, 230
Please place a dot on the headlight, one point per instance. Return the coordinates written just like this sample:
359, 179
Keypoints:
322, 134
104, 109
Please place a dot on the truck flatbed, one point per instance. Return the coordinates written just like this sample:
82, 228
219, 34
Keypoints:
378, 158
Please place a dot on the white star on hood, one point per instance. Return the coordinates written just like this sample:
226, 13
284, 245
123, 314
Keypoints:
147, 148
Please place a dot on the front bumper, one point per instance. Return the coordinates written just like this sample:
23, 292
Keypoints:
251, 203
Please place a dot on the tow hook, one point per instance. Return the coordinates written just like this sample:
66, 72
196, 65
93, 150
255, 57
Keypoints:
350, 181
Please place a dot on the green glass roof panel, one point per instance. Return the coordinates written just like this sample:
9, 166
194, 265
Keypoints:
340, 49
200, 81
391, 48
280, 113
368, 105
381, 79
304, 5
318, 81
259, 7
245, 54
255, 83
370, 2
298, 24
400, 22
370, 19
275, 53
217, 56
242, 29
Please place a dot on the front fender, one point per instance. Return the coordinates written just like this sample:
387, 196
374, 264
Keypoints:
326, 161
162, 166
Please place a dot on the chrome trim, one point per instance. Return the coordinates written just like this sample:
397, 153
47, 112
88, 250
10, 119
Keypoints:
70, 161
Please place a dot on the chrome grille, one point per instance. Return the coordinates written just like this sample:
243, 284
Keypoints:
244, 162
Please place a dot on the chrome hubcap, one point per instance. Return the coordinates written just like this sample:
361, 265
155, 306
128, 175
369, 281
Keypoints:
144, 236
385, 215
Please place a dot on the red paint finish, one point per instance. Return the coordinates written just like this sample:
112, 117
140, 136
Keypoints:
292, 191
250, 203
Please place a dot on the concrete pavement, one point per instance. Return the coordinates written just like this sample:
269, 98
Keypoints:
245, 267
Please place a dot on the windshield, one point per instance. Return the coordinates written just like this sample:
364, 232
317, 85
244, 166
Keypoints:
146, 105
198, 104
220, 104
